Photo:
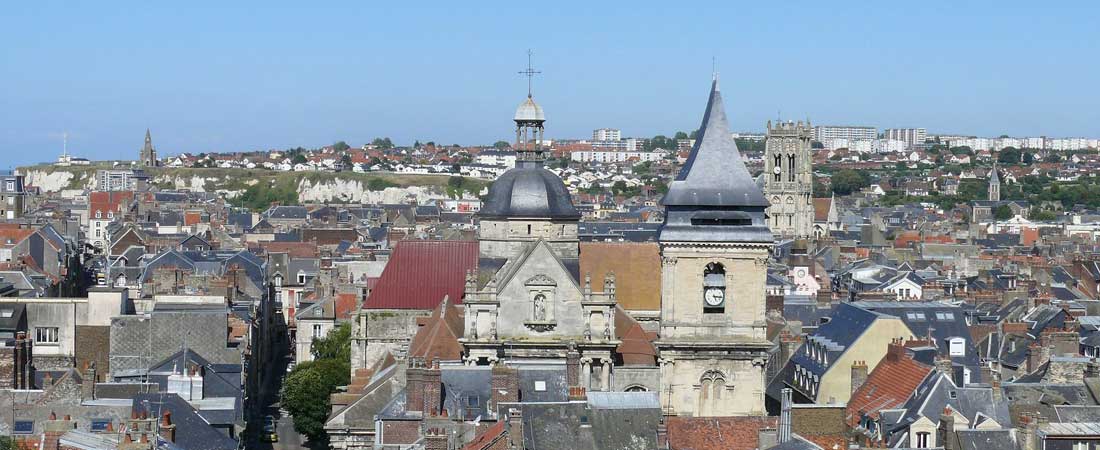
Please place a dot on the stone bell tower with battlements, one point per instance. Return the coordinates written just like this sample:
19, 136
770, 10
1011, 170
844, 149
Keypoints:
788, 179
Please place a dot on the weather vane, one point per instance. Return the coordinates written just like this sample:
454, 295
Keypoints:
530, 73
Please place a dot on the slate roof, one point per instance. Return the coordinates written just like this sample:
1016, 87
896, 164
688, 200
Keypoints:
532, 192
714, 173
938, 392
939, 321
192, 431
420, 273
846, 325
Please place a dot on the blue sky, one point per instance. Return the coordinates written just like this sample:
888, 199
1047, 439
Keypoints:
221, 76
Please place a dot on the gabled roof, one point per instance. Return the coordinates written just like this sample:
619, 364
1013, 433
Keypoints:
420, 274
438, 337
714, 173
888, 386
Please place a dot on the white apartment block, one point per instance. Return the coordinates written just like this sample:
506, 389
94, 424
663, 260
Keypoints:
825, 132
911, 136
603, 156
606, 134
997, 144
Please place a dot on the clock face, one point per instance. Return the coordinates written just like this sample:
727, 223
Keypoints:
714, 296
776, 169
801, 272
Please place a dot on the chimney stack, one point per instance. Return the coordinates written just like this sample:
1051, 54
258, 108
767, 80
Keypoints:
784, 433
167, 428
946, 429
859, 375
515, 429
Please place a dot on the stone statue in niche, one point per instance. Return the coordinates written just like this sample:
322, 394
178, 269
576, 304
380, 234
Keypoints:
540, 308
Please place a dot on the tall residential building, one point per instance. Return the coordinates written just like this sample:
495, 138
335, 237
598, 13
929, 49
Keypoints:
823, 133
788, 178
606, 134
121, 180
148, 152
911, 136
13, 196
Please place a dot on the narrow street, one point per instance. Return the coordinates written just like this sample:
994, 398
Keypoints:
269, 405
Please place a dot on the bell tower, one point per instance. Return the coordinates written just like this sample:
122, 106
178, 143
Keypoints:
714, 246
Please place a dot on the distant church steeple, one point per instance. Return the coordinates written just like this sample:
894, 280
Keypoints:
148, 152
994, 184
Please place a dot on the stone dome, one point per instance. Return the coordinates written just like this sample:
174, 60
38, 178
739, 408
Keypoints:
529, 111
529, 192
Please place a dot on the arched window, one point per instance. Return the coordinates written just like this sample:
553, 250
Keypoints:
637, 388
714, 288
790, 168
778, 168
711, 385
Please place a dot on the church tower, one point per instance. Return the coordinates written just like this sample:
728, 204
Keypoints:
148, 152
994, 184
714, 246
789, 180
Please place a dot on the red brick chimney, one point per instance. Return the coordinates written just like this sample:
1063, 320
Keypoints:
433, 389
167, 428
414, 382
895, 350
504, 386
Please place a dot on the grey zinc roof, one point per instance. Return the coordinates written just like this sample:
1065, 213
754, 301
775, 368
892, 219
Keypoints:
714, 174
532, 192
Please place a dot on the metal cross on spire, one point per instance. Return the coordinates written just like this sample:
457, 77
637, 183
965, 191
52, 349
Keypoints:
530, 73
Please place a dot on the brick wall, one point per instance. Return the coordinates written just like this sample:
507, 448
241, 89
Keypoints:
400, 432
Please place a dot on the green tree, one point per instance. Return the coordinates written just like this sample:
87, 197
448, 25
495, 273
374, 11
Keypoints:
501, 145
1009, 155
336, 345
378, 184
345, 159
306, 391
847, 181
306, 397
681, 135
1041, 215
298, 159
341, 146
1002, 212
382, 143
1028, 158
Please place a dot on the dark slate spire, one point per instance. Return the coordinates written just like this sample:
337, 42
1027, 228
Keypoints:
714, 174
714, 199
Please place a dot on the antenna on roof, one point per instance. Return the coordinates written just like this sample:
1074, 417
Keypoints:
530, 73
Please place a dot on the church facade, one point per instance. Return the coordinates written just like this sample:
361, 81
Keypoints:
788, 178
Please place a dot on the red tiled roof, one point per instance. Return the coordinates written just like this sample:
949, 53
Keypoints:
717, 433
821, 209
292, 249
345, 305
105, 202
438, 336
420, 273
888, 386
486, 439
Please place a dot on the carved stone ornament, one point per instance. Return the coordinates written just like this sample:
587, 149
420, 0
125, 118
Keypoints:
540, 280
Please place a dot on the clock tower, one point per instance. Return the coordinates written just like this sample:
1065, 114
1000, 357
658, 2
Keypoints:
715, 244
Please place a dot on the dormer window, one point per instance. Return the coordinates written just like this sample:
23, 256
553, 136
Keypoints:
99, 214
956, 346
